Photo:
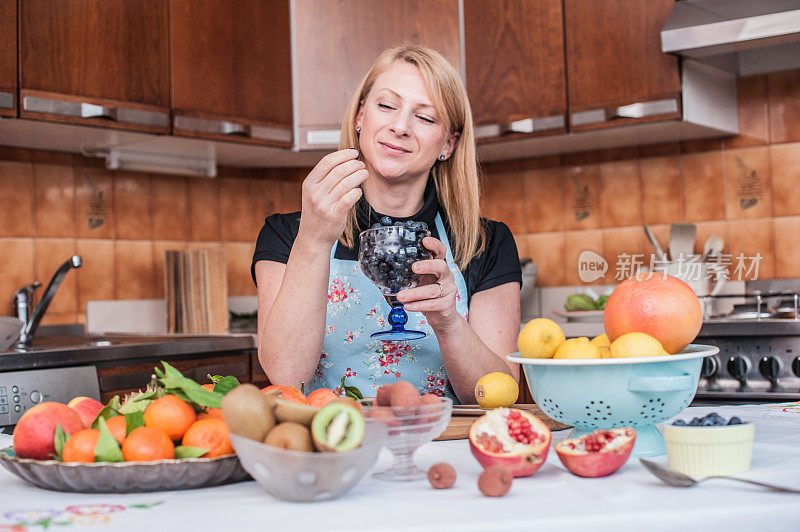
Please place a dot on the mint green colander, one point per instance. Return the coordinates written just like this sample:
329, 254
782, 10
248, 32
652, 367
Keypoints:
617, 392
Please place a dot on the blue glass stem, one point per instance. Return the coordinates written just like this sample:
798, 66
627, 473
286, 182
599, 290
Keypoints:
398, 318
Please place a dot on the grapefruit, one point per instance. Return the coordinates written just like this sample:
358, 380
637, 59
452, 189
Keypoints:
662, 306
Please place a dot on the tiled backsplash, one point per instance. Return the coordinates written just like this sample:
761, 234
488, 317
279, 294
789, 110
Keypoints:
744, 189
121, 223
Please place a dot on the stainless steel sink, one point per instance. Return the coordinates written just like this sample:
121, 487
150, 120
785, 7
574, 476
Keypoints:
83, 342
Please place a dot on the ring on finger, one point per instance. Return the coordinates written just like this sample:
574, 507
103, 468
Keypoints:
441, 289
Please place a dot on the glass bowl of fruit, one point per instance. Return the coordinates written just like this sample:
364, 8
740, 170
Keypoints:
386, 253
709, 445
412, 420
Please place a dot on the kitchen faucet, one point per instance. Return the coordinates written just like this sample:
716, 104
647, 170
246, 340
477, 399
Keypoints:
23, 300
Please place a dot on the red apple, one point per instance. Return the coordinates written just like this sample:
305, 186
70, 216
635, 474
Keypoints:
35, 432
87, 408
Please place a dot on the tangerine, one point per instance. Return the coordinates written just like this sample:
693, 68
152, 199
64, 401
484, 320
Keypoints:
171, 414
211, 434
210, 413
208, 386
290, 393
146, 444
118, 427
321, 397
80, 446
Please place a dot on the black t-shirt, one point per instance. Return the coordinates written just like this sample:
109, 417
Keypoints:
496, 265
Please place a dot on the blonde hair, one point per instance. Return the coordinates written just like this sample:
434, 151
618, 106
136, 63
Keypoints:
456, 179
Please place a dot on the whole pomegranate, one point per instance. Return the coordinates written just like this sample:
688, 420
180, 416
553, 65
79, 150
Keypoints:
597, 454
514, 439
662, 306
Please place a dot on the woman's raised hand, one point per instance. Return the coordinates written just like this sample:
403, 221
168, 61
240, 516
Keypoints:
329, 191
435, 296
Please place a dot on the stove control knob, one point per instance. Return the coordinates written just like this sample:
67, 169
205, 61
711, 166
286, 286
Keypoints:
738, 368
770, 368
710, 367
796, 366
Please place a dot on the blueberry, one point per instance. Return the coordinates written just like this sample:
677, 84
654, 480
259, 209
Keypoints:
376, 225
734, 421
411, 251
386, 221
695, 422
708, 423
679, 423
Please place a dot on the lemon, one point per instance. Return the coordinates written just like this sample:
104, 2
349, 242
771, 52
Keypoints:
539, 338
636, 344
602, 344
495, 390
577, 348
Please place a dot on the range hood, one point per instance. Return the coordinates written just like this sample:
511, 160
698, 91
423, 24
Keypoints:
745, 37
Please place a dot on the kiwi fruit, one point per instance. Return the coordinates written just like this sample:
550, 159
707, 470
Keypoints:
337, 427
248, 412
290, 435
349, 401
383, 394
295, 412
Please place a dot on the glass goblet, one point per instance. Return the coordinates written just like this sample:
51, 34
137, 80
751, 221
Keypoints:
386, 254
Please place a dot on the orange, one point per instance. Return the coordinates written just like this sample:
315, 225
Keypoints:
80, 446
211, 434
215, 413
208, 386
145, 444
662, 306
321, 397
289, 393
171, 414
118, 427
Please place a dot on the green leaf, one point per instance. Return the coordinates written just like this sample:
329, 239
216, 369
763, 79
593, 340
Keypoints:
145, 506
183, 451
134, 420
351, 391
59, 439
107, 449
214, 378
225, 384
107, 412
171, 371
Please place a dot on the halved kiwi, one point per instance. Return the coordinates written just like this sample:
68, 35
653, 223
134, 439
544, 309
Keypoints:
337, 427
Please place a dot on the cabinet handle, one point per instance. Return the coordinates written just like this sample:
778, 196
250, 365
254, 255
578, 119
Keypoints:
6, 100
634, 110
526, 125
323, 137
227, 128
36, 104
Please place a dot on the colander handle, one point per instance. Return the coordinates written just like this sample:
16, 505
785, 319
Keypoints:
675, 383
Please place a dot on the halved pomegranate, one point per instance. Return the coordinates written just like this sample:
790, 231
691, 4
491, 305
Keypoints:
597, 454
514, 439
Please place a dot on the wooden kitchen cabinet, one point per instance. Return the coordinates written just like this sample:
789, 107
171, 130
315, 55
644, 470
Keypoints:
231, 70
126, 378
514, 55
616, 71
335, 43
101, 62
8, 57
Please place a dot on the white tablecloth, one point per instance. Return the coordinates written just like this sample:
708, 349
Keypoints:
552, 499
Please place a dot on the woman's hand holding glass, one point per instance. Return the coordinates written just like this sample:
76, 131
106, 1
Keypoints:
435, 296
329, 191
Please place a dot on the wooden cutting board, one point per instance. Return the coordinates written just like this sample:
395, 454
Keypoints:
465, 415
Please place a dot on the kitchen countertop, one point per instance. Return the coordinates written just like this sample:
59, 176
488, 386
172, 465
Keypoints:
61, 352
551, 499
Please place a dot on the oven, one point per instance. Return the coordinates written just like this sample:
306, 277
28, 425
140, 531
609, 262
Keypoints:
758, 335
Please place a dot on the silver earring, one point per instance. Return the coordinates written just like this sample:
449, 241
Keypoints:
442, 157
358, 129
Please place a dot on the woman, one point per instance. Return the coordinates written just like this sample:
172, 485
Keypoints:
413, 159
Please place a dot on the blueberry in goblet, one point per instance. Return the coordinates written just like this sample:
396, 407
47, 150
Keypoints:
386, 254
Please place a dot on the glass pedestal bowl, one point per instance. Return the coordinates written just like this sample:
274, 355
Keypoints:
386, 254
408, 429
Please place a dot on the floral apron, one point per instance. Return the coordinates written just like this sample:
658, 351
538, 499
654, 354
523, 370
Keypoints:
356, 309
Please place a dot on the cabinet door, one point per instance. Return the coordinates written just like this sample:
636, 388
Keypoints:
231, 69
8, 57
104, 62
336, 42
515, 66
616, 71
